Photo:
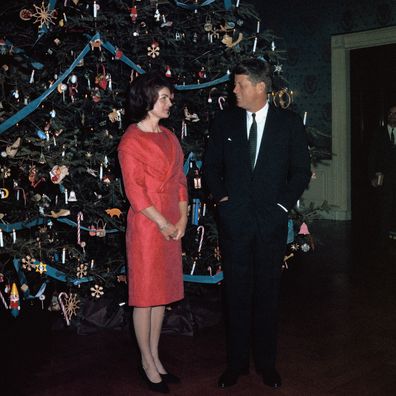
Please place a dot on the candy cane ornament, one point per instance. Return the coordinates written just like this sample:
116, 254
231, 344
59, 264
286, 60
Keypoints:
80, 217
62, 304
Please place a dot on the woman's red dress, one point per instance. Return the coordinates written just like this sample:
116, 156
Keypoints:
152, 171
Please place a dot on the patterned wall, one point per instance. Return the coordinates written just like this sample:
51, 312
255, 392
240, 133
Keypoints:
306, 28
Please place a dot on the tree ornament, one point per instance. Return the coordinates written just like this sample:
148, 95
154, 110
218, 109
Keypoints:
59, 213
303, 229
202, 73
168, 72
190, 117
69, 305
100, 79
134, 14
4, 193
157, 14
28, 263
25, 15
72, 196
278, 68
58, 173
97, 43
13, 149
14, 301
41, 267
97, 291
153, 50
5, 172
82, 270
282, 98
96, 95
114, 212
228, 41
54, 304
118, 54
43, 15
208, 27
294, 247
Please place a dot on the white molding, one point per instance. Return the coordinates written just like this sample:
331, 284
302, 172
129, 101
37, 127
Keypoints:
338, 173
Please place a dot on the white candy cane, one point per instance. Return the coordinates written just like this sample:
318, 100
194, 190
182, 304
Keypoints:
199, 247
201, 227
63, 294
221, 101
3, 299
183, 130
80, 217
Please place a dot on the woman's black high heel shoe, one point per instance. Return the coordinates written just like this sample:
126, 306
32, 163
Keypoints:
170, 378
159, 387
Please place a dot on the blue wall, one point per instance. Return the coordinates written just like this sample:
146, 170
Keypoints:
305, 29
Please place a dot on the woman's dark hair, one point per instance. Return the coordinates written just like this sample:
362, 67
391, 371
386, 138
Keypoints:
143, 93
257, 70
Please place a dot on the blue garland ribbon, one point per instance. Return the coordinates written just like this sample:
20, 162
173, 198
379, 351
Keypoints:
191, 157
41, 220
62, 277
33, 105
23, 281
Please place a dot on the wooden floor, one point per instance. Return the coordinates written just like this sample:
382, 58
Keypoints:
337, 337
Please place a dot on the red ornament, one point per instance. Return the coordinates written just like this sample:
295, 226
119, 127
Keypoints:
202, 73
168, 72
134, 14
118, 54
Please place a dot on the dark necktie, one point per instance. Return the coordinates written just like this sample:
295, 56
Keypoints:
392, 136
253, 140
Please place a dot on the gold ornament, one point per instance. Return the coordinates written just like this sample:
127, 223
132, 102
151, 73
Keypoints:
43, 15
72, 305
112, 212
283, 98
41, 267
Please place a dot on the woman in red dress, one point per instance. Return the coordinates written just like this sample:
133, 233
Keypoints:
151, 162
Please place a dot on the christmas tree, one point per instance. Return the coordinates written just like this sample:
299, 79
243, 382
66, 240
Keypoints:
65, 68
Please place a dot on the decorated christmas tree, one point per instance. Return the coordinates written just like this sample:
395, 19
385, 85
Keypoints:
65, 68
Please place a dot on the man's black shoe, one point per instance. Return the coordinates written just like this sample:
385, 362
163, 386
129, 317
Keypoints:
230, 377
271, 378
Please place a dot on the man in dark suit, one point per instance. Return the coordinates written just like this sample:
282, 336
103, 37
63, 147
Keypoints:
382, 174
256, 166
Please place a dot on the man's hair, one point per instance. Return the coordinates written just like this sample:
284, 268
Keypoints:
257, 70
143, 93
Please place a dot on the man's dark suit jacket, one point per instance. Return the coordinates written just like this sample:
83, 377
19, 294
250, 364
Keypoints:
382, 156
281, 174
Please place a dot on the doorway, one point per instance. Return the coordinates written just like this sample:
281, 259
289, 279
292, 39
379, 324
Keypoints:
372, 92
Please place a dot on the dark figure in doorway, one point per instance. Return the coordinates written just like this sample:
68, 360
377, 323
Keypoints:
256, 166
382, 174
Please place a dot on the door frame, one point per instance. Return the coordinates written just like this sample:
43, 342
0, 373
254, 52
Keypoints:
338, 180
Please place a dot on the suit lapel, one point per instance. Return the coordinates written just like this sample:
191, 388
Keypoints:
266, 139
240, 138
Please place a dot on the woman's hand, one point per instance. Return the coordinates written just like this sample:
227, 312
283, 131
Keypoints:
168, 230
180, 228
